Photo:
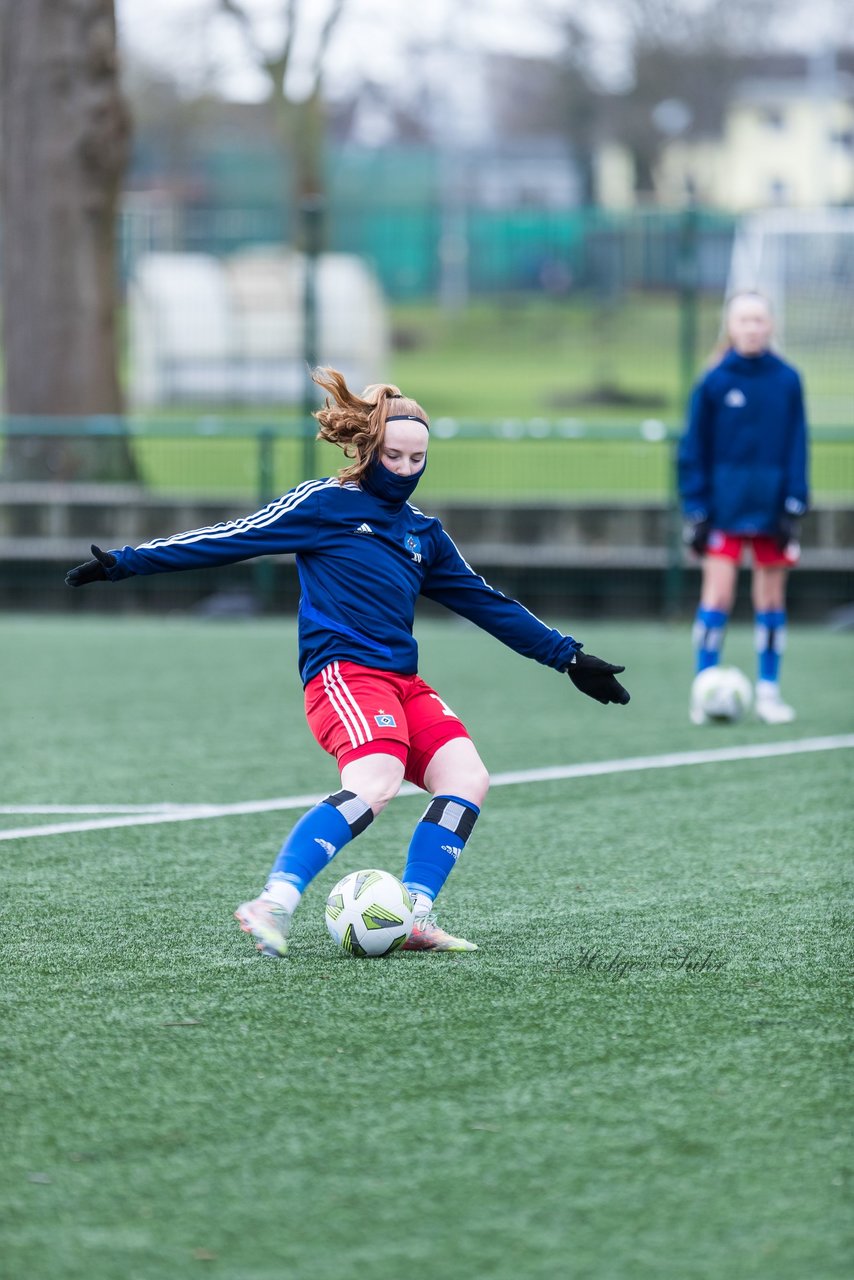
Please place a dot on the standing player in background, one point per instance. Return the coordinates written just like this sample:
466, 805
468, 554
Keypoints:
364, 554
743, 482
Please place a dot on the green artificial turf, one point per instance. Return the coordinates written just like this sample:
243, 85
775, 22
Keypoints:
641, 1074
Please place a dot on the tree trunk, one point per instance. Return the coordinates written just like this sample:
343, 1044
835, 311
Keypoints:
65, 136
308, 130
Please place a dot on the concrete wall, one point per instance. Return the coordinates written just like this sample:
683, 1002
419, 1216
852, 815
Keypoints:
621, 560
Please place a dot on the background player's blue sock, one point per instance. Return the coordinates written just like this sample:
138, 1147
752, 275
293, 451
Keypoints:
770, 640
436, 843
314, 842
708, 636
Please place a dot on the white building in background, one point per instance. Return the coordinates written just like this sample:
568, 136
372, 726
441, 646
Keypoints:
206, 330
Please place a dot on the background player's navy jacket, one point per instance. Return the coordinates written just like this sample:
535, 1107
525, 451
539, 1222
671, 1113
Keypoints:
743, 457
362, 563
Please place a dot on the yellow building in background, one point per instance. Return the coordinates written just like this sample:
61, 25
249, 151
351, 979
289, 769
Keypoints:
786, 142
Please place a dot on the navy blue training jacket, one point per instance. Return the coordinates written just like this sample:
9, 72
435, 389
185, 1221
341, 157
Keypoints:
743, 457
362, 564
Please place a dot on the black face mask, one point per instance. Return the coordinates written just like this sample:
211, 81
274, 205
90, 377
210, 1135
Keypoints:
385, 485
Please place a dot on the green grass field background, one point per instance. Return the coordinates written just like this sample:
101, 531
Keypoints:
510, 383
507, 369
481, 469
570, 1101
529, 355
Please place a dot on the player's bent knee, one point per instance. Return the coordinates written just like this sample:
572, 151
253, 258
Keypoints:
456, 769
376, 779
379, 792
477, 785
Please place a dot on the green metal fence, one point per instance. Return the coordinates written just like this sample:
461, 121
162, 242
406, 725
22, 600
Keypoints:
511, 461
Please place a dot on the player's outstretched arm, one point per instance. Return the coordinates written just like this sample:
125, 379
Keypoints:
91, 570
596, 678
289, 524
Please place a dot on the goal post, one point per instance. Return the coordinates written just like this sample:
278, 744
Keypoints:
802, 260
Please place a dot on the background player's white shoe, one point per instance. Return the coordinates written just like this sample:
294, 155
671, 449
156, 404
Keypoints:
269, 924
770, 707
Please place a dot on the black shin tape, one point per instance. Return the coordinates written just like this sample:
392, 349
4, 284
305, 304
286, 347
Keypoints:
353, 810
457, 817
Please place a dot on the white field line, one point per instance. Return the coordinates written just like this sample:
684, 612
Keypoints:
166, 807
556, 773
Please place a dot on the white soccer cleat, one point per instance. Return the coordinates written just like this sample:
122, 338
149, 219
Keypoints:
770, 707
698, 716
268, 923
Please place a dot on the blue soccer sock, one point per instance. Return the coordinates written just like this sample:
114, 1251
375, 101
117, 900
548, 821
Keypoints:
708, 636
313, 844
437, 843
770, 640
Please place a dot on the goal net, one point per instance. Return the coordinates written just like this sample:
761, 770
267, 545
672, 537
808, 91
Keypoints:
802, 260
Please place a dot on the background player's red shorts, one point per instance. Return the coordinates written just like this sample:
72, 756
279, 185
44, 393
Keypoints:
766, 550
357, 711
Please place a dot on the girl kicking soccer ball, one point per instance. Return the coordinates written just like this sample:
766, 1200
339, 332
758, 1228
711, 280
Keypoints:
364, 555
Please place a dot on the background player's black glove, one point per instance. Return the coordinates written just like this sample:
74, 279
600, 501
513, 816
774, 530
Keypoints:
595, 677
92, 571
695, 534
787, 530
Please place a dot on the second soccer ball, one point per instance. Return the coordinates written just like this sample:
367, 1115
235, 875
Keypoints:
720, 694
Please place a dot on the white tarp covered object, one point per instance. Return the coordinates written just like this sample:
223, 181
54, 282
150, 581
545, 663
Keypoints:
209, 330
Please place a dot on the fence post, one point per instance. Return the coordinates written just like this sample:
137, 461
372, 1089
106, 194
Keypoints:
263, 571
312, 237
265, 466
689, 286
673, 573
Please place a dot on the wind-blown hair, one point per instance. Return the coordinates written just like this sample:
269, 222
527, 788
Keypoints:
357, 423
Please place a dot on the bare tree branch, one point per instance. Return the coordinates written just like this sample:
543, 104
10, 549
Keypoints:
277, 68
300, 123
326, 34
275, 65
232, 9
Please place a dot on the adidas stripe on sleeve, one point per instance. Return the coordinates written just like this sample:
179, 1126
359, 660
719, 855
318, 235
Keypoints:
289, 524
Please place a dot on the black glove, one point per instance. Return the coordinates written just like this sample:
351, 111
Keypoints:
695, 534
787, 530
92, 570
596, 678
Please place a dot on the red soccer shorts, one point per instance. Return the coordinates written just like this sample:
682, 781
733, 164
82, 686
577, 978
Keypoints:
358, 711
766, 550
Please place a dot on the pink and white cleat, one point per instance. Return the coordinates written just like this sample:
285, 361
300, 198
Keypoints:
427, 936
268, 923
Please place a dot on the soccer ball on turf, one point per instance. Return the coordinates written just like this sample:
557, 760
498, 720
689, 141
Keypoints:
369, 913
720, 693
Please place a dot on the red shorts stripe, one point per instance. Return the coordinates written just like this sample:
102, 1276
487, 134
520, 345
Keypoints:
345, 706
343, 713
354, 711
351, 702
